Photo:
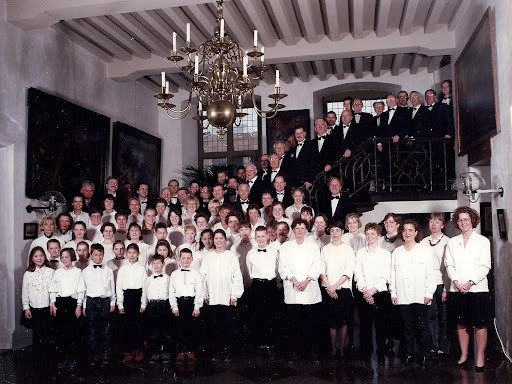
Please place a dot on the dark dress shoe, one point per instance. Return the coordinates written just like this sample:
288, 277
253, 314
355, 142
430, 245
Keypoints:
407, 361
462, 365
424, 363
479, 369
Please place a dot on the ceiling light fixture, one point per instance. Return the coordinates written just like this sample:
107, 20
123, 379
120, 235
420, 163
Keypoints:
222, 79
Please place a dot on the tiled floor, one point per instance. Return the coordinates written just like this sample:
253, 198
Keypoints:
250, 368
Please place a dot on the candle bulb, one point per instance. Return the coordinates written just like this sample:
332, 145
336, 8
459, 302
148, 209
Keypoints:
277, 78
174, 41
167, 87
221, 28
188, 32
245, 65
163, 79
200, 107
262, 54
255, 38
196, 65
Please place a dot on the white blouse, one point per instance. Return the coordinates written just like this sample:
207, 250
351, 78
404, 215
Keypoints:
439, 250
338, 261
35, 286
373, 269
67, 283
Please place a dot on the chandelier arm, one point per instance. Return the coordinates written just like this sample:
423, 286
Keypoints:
262, 113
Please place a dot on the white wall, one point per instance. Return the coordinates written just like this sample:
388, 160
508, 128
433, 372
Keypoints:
46, 60
499, 172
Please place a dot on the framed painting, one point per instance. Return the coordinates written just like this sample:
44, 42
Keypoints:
136, 157
283, 124
486, 219
66, 145
475, 88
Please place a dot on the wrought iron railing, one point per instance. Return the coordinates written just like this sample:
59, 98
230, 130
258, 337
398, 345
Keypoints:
409, 165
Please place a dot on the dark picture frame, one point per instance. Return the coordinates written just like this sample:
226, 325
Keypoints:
136, 157
30, 231
66, 145
485, 219
502, 224
475, 88
283, 124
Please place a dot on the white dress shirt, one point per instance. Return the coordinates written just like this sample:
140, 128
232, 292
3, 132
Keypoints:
439, 250
143, 251
186, 283
262, 263
373, 269
338, 261
156, 287
356, 242
471, 262
42, 241
321, 241
99, 282
130, 276
82, 216
35, 286
301, 261
412, 274
67, 283
223, 277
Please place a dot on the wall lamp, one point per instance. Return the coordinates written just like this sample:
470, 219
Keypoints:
470, 183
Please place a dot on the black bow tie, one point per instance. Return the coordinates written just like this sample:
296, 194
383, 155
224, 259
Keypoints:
300, 144
357, 113
186, 270
54, 260
143, 202
275, 171
321, 137
262, 250
244, 202
346, 126
97, 265
160, 275
280, 193
335, 197
392, 109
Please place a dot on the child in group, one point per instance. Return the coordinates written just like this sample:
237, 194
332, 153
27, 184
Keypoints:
338, 263
186, 295
160, 234
79, 233
134, 236
82, 253
36, 303
53, 248
119, 259
163, 248
108, 232
100, 300
47, 227
67, 290
175, 228
264, 303
234, 229
148, 225
94, 230
155, 304
161, 214
121, 222
201, 223
129, 286
190, 239
205, 246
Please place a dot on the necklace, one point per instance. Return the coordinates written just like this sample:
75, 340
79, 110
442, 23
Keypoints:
434, 243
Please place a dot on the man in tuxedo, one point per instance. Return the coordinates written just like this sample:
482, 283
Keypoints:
231, 194
364, 120
90, 199
143, 195
256, 185
402, 99
264, 171
304, 160
331, 119
419, 116
335, 205
281, 192
378, 107
174, 185
204, 199
347, 136
112, 188
275, 170
243, 200
326, 146
440, 126
285, 161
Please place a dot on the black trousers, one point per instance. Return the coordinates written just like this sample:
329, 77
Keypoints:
378, 314
133, 319
264, 305
67, 327
222, 326
187, 325
98, 324
415, 318
158, 326
303, 321
40, 336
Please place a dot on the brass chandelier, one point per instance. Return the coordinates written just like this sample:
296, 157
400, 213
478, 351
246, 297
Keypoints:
222, 79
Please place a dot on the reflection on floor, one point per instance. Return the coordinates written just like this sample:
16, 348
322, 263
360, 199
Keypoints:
15, 367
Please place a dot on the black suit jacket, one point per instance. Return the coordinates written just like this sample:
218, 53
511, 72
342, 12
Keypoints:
366, 125
399, 124
95, 202
344, 206
305, 165
257, 190
419, 124
237, 206
330, 151
287, 198
440, 122
286, 176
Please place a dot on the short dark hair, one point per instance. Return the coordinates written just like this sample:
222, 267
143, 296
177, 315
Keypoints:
133, 246
71, 251
373, 226
97, 247
299, 221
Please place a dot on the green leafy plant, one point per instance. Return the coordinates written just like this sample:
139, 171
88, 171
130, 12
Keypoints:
206, 175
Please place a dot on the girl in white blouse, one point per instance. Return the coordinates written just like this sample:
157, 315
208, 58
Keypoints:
67, 290
412, 286
36, 303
